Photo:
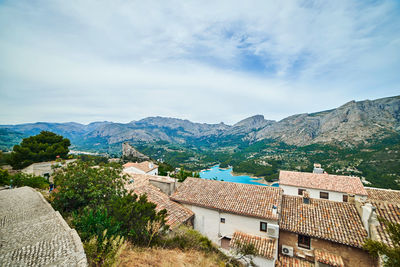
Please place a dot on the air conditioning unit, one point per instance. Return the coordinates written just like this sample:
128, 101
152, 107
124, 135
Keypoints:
273, 230
286, 250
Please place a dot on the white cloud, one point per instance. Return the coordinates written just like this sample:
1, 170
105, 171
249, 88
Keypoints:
205, 61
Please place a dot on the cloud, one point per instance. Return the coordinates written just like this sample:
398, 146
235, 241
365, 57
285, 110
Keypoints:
207, 61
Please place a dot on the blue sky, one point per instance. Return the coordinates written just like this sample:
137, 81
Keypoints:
206, 61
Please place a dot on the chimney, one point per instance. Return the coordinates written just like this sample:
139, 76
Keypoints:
306, 197
150, 165
368, 217
317, 168
274, 209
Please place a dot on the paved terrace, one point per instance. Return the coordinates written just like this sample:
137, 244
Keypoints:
33, 234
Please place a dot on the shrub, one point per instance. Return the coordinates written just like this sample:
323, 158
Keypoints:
22, 179
80, 185
91, 223
4, 177
103, 250
138, 218
186, 238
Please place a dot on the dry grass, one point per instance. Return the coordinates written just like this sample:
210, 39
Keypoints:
134, 256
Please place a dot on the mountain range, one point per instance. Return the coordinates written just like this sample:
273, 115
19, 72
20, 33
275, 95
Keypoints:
351, 123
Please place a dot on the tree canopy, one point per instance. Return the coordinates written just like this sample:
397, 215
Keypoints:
45, 146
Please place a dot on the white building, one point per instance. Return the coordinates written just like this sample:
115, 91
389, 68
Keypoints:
228, 212
145, 167
45, 169
322, 185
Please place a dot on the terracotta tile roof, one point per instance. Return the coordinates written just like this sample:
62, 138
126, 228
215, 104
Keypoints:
377, 194
136, 180
390, 212
243, 199
335, 221
387, 203
328, 258
177, 214
144, 166
286, 261
264, 246
329, 182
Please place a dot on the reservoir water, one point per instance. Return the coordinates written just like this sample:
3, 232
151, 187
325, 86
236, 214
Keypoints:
226, 175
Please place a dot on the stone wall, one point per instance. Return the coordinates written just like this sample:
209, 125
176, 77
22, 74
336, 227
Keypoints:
33, 234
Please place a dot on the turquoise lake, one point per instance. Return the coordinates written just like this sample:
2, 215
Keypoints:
226, 175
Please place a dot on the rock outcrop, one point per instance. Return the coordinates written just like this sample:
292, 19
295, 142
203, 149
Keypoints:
129, 151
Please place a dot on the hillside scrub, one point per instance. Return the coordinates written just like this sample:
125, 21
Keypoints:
102, 211
23, 179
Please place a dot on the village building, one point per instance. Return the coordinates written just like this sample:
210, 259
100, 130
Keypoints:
322, 186
145, 167
45, 169
226, 211
33, 234
322, 232
157, 190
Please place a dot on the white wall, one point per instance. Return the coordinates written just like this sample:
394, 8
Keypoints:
133, 170
314, 193
207, 221
153, 172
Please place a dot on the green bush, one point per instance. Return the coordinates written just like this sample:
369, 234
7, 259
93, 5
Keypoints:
140, 222
22, 179
4, 177
91, 223
186, 238
80, 185
103, 250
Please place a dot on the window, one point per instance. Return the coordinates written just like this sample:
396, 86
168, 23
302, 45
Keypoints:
324, 195
222, 220
300, 192
304, 241
263, 226
345, 198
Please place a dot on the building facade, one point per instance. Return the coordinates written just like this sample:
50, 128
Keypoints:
225, 210
322, 186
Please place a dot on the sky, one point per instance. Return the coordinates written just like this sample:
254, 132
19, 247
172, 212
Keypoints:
206, 61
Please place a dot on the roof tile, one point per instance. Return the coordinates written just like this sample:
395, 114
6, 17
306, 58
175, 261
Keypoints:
328, 258
323, 181
335, 221
243, 199
264, 246
286, 261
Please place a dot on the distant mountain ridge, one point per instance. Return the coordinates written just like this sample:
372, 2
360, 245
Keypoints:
351, 123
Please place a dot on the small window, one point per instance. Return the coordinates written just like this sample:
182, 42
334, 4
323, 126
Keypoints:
345, 198
263, 226
324, 195
304, 241
300, 192
222, 220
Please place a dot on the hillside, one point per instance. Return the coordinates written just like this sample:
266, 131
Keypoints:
359, 138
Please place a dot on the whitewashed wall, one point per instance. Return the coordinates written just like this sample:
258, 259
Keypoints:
133, 170
153, 172
314, 193
208, 222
